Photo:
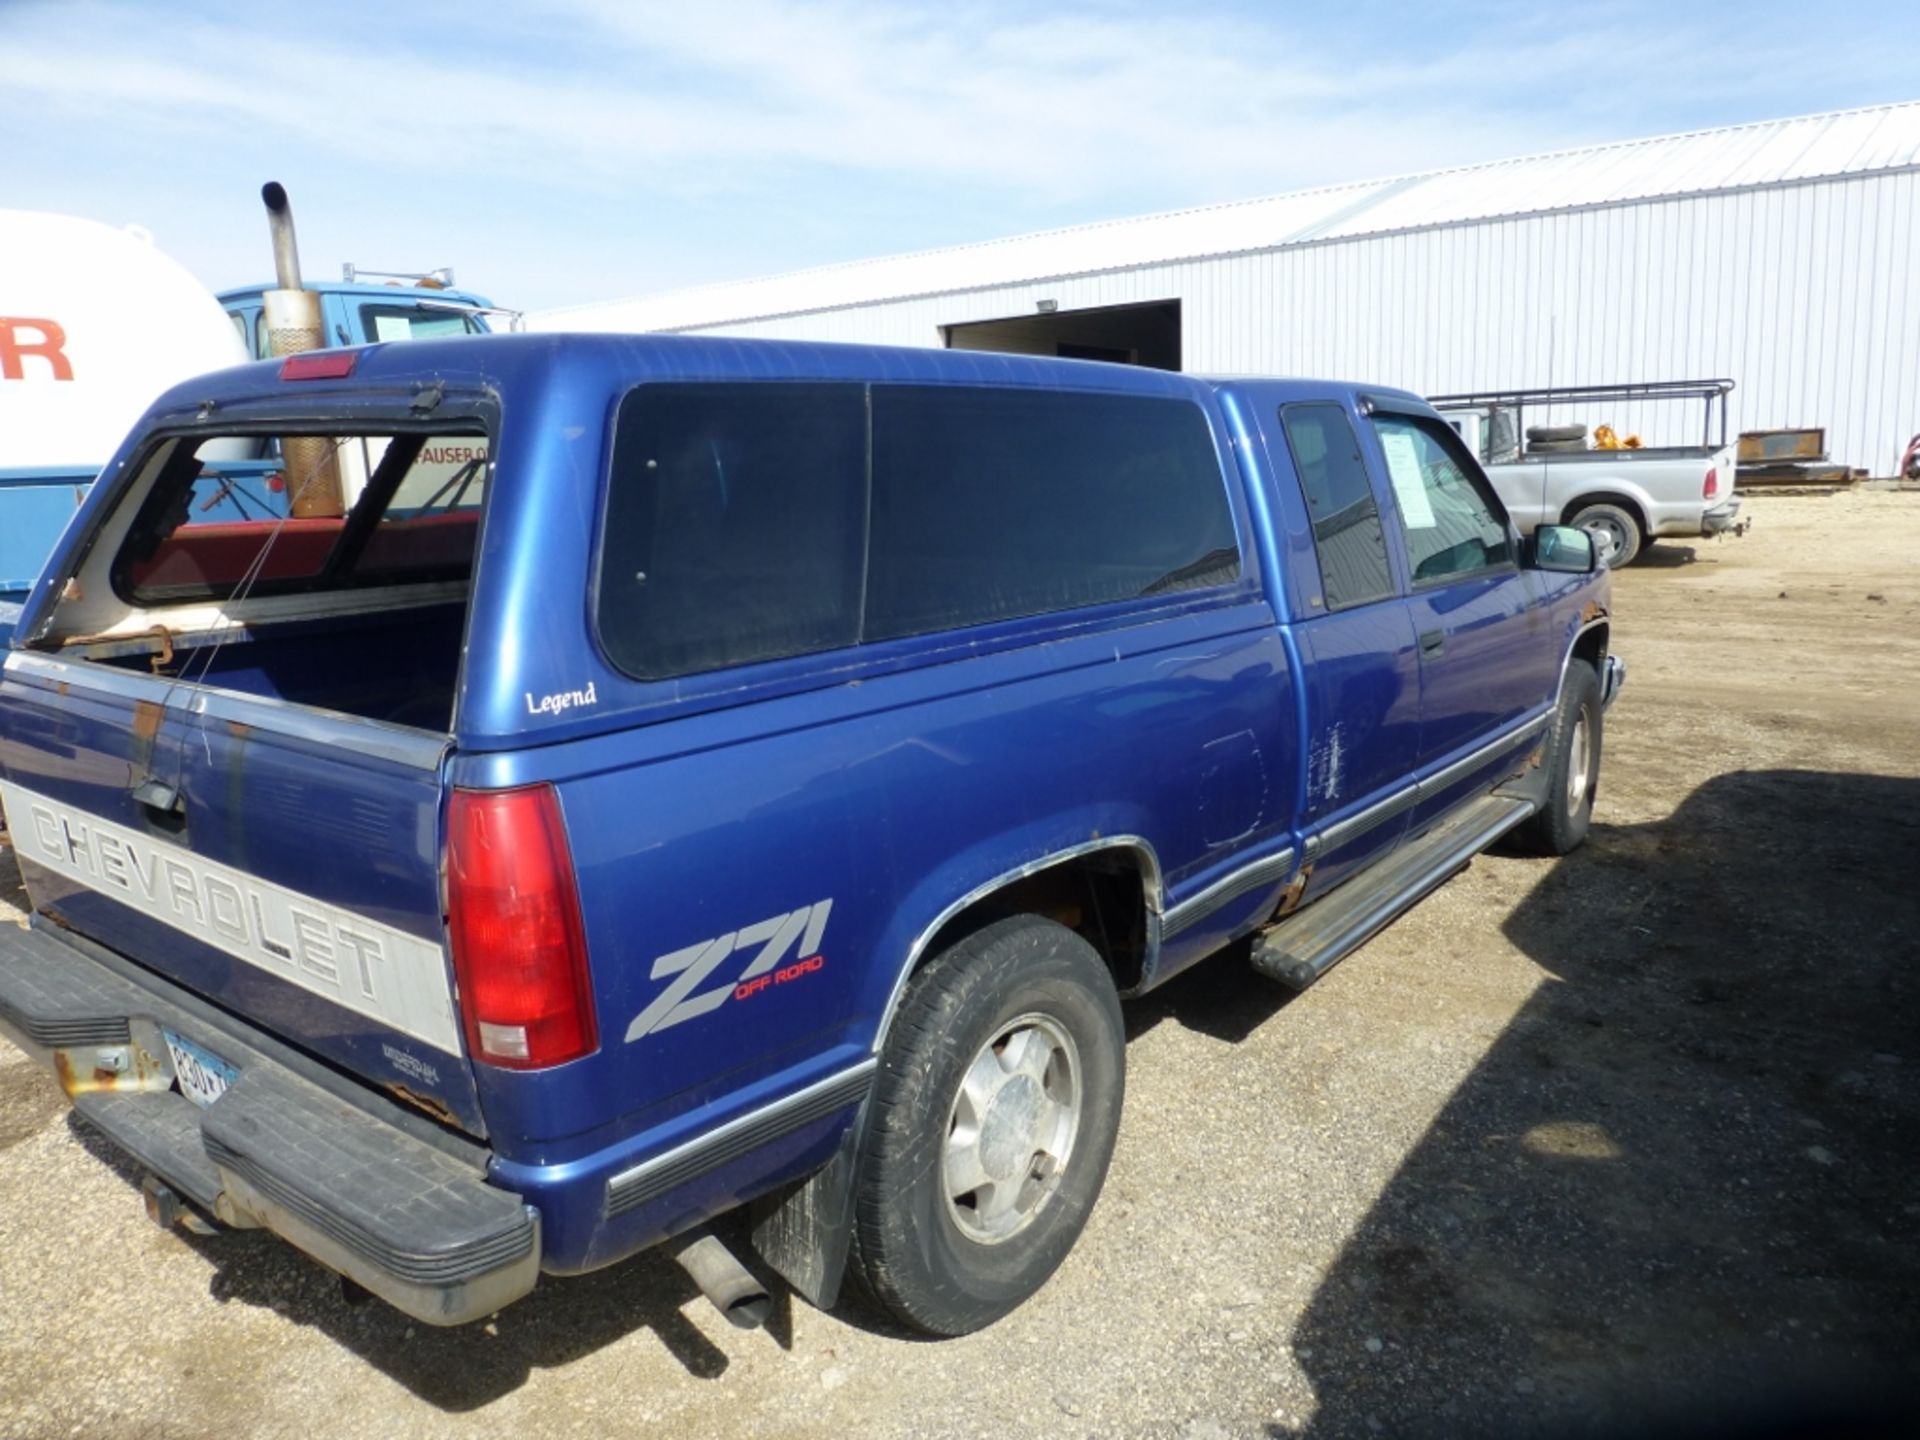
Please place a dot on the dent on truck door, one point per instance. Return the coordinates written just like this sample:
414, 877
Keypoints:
1481, 638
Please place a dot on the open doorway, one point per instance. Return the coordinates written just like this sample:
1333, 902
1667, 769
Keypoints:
1120, 334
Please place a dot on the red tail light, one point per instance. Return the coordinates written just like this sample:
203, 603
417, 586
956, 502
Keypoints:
513, 914
1712, 487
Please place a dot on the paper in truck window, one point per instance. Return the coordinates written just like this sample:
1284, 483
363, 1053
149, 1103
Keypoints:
415, 322
1409, 478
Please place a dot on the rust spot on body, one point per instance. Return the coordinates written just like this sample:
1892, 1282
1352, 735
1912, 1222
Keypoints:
147, 716
143, 1072
431, 1105
1290, 901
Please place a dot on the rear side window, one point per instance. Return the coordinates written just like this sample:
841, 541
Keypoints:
736, 525
749, 522
994, 504
1340, 501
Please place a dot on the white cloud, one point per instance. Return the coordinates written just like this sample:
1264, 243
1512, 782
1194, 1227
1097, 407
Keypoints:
781, 107
1086, 103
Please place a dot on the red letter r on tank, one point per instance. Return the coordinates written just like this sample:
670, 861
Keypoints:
16, 346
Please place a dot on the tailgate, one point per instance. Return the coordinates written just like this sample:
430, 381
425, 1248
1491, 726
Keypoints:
282, 862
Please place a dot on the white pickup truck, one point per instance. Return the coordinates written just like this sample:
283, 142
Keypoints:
1624, 498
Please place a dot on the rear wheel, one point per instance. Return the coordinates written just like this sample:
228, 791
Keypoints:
993, 1121
1616, 534
1572, 763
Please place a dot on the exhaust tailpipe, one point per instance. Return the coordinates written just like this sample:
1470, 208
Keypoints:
722, 1279
294, 326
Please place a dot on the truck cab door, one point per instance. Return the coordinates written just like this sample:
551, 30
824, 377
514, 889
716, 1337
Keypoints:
1485, 645
1359, 651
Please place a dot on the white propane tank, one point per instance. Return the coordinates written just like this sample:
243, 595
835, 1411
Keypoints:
94, 323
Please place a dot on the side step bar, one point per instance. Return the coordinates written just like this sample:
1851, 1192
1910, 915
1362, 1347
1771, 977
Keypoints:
1304, 946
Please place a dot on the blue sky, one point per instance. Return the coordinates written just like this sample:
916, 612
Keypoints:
557, 151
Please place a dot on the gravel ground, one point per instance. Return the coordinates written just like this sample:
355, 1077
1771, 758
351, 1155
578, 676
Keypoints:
1572, 1144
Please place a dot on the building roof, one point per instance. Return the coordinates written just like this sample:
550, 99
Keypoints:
1736, 157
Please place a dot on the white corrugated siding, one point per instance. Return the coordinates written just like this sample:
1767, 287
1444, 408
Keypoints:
1804, 291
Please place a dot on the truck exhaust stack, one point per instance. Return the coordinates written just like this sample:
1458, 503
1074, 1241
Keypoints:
295, 325
286, 253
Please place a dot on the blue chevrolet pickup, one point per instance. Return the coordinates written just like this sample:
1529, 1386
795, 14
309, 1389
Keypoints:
676, 775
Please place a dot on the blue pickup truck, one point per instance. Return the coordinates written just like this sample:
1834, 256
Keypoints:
690, 774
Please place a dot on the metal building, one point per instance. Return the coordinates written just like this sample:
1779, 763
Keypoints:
1784, 254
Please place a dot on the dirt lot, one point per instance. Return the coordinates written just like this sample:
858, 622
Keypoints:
1571, 1144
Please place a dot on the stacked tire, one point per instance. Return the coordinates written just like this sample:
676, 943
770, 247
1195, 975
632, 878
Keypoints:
1555, 439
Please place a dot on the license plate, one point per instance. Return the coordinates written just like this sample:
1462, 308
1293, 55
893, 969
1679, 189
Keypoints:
203, 1075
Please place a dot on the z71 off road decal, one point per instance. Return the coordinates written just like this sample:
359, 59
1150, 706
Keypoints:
770, 942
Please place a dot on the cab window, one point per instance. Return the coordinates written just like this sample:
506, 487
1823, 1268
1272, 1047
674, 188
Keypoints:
1453, 524
1346, 517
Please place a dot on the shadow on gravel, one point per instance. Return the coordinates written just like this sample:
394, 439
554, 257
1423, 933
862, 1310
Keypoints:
563, 1320
1222, 997
1665, 555
1680, 1194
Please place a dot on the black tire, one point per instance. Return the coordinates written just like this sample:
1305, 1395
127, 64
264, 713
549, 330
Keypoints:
1556, 432
1560, 825
1556, 447
1616, 533
912, 1249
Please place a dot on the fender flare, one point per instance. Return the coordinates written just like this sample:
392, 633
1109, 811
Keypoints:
1153, 894
1602, 621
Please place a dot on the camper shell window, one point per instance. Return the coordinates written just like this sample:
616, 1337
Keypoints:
761, 520
234, 516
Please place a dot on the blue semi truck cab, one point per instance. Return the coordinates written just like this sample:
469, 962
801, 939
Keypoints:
686, 774
364, 313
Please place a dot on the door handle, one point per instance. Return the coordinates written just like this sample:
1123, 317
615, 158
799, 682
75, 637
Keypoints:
163, 804
1433, 642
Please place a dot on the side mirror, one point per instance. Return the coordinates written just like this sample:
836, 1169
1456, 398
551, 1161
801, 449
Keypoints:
1565, 549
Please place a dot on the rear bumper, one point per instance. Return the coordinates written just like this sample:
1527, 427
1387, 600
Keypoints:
367, 1194
1722, 518
1683, 521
